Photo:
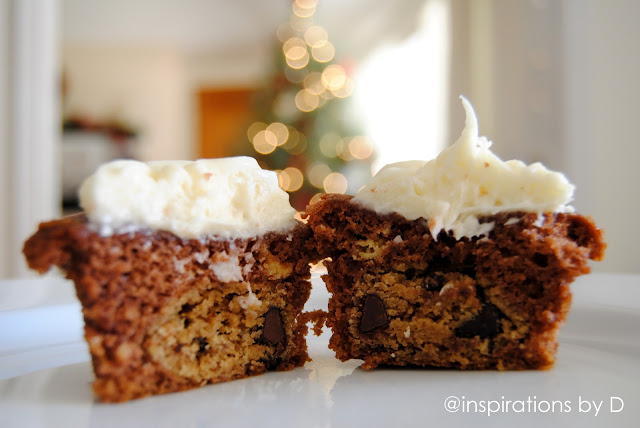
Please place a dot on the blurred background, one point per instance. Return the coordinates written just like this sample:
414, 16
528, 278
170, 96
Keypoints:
324, 92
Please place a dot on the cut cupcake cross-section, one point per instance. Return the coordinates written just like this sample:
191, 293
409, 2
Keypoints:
188, 273
464, 261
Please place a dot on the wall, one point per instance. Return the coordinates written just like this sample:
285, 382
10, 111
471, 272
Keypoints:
145, 86
602, 115
29, 175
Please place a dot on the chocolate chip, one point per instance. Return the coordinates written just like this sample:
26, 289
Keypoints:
374, 314
540, 259
186, 308
410, 273
484, 324
435, 282
202, 345
273, 331
271, 363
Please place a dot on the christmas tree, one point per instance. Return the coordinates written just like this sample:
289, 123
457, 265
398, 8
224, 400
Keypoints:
302, 129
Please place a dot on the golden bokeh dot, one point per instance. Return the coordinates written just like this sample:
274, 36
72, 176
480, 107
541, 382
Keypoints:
317, 173
306, 101
316, 36
254, 128
345, 91
328, 144
300, 147
313, 83
293, 42
307, 4
283, 179
315, 198
297, 53
324, 53
295, 178
298, 63
342, 148
334, 77
264, 142
281, 132
292, 141
360, 147
335, 183
301, 11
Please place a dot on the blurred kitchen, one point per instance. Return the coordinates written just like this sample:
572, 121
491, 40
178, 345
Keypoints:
325, 92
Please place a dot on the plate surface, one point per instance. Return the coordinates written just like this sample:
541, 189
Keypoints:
45, 376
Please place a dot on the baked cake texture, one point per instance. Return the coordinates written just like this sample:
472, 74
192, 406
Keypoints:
165, 313
399, 297
417, 280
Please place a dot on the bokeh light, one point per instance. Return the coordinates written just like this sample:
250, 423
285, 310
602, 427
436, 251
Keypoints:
306, 100
317, 173
296, 143
345, 91
360, 147
342, 148
303, 9
316, 36
295, 52
292, 179
324, 53
334, 77
307, 4
335, 183
313, 83
280, 131
315, 198
264, 142
328, 144
254, 128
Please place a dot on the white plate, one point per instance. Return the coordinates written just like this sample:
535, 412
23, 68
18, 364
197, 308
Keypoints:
598, 361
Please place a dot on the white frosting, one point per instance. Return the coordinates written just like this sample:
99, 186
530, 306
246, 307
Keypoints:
464, 182
227, 268
225, 198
